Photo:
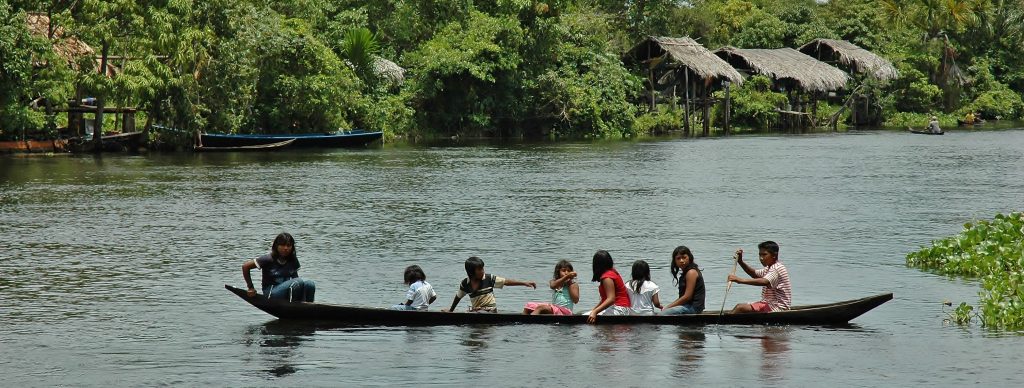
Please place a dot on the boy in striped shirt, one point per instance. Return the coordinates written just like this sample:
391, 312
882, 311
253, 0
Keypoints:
777, 294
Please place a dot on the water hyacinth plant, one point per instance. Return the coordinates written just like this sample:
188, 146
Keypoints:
992, 251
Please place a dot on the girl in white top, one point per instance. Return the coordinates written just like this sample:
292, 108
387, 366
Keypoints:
420, 294
643, 293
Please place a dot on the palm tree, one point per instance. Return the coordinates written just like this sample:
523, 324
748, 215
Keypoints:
360, 51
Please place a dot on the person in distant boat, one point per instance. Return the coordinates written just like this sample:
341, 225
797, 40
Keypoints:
480, 287
643, 293
614, 297
933, 125
280, 270
777, 293
969, 118
565, 293
690, 280
420, 294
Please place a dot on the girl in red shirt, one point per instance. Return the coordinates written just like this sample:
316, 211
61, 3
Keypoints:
614, 299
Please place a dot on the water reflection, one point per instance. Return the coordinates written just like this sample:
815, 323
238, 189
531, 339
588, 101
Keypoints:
477, 338
690, 351
477, 341
278, 341
774, 344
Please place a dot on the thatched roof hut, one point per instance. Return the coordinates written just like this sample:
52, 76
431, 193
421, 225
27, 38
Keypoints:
851, 56
388, 70
786, 66
684, 52
70, 48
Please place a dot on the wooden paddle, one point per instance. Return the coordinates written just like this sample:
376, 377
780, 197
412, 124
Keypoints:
728, 286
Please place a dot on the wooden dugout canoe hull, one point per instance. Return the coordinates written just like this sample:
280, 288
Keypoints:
355, 138
252, 148
926, 132
823, 314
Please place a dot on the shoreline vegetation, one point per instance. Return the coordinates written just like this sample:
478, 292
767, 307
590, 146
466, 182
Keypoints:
992, 252
517, 69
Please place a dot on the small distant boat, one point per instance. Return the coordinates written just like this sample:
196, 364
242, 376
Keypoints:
962, 123
355, 138
925, 132
252, 148
838, 313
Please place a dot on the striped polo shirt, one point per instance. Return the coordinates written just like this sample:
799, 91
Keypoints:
778, 294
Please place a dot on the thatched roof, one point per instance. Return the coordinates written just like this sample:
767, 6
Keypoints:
70, 48
385, 69
687, 53
388, 70
786, 65
852, 56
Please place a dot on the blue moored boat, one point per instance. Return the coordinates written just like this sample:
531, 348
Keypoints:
354, 138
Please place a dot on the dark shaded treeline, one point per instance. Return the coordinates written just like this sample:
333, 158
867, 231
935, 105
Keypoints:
419, 68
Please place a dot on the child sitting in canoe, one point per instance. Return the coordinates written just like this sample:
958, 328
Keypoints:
614, 299
687, 276
480, 287
643, 293
280, 270
777, 294
420, 294
565, 293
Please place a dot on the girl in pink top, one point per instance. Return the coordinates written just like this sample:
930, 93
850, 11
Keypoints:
614, 299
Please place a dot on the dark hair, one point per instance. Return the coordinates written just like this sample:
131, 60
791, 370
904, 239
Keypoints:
472, 264
413, 274
282, 239
770, 246
641, 272
680, 250
559, 265
602, 263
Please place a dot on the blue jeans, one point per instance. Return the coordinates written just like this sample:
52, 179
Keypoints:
679, 310
292, 290
403, 307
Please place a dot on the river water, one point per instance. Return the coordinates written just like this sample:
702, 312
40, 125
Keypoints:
113, 267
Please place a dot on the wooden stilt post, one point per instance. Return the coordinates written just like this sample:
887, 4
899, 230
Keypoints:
728, 107
654, 107
686, 106
705, 109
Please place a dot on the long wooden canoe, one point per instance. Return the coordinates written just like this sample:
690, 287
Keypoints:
251, 148
925, 132
353, 138
822, 314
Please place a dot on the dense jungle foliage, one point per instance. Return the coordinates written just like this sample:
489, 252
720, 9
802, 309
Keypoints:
992, 251
494, 68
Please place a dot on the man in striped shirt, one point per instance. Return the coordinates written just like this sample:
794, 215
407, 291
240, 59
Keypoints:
777, 295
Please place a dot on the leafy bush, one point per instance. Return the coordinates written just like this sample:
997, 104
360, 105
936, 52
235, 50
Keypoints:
919, 121
1002, 103
662, 121
754, 104
990, 250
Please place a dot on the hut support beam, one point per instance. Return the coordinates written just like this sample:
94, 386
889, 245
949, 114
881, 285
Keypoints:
706, 125
728, 107
686, 106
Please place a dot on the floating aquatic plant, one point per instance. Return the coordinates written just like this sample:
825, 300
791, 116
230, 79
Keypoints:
992, 251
